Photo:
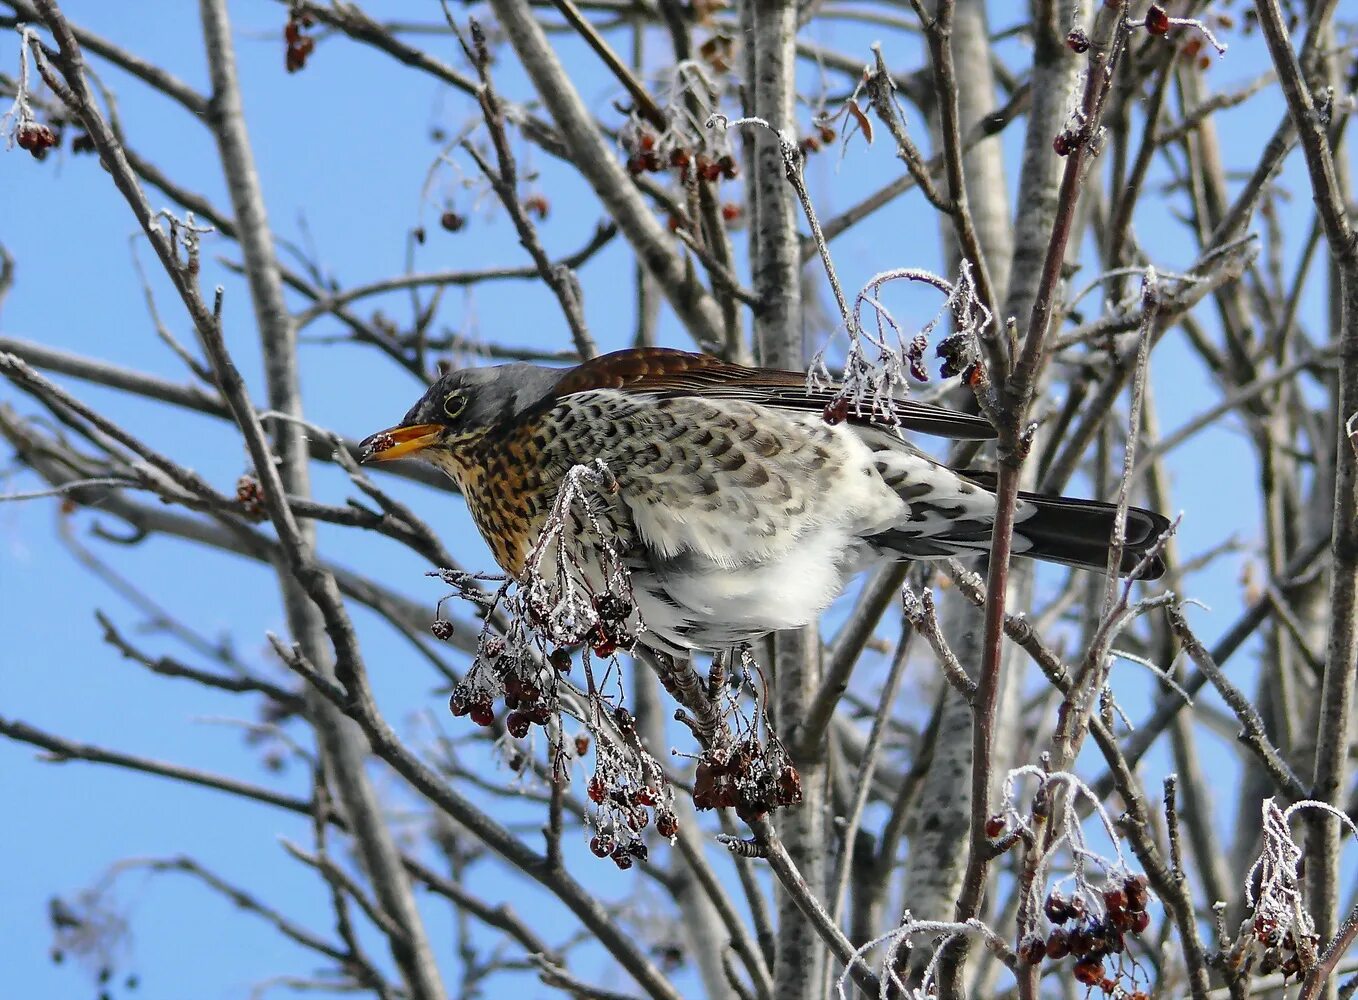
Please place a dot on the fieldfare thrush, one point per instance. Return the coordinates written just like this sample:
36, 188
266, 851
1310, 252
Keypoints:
741, 500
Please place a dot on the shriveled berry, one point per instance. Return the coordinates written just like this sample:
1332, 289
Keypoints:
637, 849
1157, 21
836, 411
518, 725
560, 660
1056, 908
1089, 973
1033, 950
994, 826
1114, 899
1058, 943
1140, 921
623, 719
728, 167
667, 825
581, 744
1138, 895
441, 629
1077, 41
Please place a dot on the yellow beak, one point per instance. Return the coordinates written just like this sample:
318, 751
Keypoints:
398, 442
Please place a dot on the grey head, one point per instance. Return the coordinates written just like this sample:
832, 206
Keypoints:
463, 404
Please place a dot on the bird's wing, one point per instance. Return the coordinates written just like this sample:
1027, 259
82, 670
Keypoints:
660, 371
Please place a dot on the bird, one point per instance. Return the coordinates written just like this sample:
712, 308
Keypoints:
740, 500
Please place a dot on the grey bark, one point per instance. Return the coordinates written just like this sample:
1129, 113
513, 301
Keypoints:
342, 744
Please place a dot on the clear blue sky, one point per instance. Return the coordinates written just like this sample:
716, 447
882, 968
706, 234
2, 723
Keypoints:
343, 147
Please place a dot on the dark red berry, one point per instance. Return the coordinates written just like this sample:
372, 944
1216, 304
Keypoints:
595, 789
1157, 21
994, 826
1114, 899
643, 797
459, 704
1090, 973
1077, 41
452, 221
1056, 908
601, 845
1062, 144
560, 659
623, 719
1138, 895
1140, 921
1033, 950
727, 166
1058, 944
518, 725
667, 825
483, 714
836, 411
441, 629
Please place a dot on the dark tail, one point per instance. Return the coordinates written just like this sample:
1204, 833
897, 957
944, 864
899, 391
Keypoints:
1077, 533
1054, 529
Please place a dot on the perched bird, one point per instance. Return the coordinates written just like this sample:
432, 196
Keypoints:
741, 502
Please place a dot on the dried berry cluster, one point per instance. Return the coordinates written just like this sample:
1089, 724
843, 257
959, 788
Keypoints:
751, 777
1090, 938
1281, 951
300, 44
651, 151
36, 137
627, 788
529, 694
250, 496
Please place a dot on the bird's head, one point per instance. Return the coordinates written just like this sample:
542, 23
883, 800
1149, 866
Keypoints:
460, 407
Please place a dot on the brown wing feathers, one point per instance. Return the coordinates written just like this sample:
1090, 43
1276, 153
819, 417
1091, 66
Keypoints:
662, 371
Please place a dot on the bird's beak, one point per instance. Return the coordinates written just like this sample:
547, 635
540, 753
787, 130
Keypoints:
398, 442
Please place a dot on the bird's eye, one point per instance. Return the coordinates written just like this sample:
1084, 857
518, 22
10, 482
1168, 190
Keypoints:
454, 404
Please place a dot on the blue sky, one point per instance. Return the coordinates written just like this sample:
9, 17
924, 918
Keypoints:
343, 151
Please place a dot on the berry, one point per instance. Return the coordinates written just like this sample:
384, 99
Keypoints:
1058, 944
601, 845
1090, 973
560, 659
1033, 950
1062, 145
1140, 921
458, 703
836, 411
1114, 899
1137, 893
595, 789
1077, 41
483, 714
452, 221
581, 744
517, 723
1157, 21
994, 826
441, 629
643, 797
623, 718
667, 825
1056, 908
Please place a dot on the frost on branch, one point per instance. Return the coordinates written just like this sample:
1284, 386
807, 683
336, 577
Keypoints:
574, 594
1089, 921
1279, 934
881, 353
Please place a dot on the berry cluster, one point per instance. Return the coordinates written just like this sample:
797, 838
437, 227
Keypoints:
1091, 938
529, 695
626, 790
36, 138
300, 44
749, 776
612, 629
250, 496
649, 151
1282, 951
